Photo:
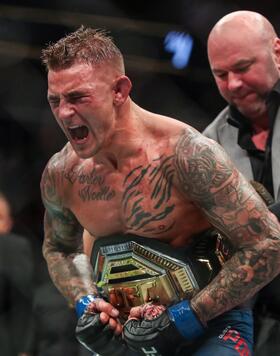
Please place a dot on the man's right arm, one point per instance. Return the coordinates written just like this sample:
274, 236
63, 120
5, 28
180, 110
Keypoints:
69, 268
98, 327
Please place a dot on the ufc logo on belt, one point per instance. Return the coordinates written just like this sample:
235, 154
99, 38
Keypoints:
151, 352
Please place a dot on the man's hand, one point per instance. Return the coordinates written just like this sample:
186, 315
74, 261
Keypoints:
107, 314
98, 328
153, 329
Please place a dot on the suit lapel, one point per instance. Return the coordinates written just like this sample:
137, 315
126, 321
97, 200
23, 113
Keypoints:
275, 156
227, 137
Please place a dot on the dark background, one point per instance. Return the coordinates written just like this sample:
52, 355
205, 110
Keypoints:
28, 133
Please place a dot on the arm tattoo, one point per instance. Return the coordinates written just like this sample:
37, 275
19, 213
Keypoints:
63, 249
240, 278
197, 163
208, 177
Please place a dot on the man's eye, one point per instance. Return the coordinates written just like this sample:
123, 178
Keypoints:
242, 69
54, 102
77, 98
221, 75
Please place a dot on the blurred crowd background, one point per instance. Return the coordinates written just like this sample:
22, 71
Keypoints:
144, 31
164, 46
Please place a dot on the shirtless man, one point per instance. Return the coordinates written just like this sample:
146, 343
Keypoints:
183, 184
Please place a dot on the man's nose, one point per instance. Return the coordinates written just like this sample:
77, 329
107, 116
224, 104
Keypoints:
234, 82
65, 110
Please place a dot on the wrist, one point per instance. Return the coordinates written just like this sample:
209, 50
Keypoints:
83, 303
193, 307
185, 320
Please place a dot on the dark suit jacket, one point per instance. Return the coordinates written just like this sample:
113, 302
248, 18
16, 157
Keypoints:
16, 286
226, 135
55, 323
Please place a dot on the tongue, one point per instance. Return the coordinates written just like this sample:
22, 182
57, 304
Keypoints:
79, 133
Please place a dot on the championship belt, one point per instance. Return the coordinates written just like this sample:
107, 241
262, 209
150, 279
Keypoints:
130, 270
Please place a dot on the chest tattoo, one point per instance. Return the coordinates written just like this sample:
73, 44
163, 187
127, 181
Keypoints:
147, 197
92, 184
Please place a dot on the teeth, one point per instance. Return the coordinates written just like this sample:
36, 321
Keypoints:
74, 127
78, 132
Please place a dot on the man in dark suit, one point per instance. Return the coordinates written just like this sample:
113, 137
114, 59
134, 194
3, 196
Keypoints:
16, 276
244, 56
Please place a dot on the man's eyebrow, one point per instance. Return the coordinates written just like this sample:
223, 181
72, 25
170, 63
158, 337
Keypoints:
243, 62
236, 65
52, 97
69, 95
75, 93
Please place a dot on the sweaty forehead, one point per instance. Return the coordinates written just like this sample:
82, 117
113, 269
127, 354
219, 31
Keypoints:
75, 77
233, 35
233, 29
233, 44
77, 71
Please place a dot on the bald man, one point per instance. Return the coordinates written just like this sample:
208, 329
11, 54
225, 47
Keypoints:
244, 56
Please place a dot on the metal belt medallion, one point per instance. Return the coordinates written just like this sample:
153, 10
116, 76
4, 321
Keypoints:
130, 273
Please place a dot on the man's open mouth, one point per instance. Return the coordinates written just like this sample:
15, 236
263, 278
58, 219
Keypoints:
78, 132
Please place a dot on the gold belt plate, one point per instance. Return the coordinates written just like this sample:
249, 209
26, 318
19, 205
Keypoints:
129, 274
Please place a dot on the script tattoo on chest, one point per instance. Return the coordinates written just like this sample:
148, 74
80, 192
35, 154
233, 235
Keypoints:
93, 186
142, 211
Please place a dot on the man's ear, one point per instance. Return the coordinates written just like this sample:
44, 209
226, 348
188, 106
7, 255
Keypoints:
276, 46
122, 88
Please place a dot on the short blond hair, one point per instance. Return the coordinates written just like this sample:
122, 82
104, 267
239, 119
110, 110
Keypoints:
85, 45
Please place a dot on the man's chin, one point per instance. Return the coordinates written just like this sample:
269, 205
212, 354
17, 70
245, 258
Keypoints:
253, 112
250, 106
83, 153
